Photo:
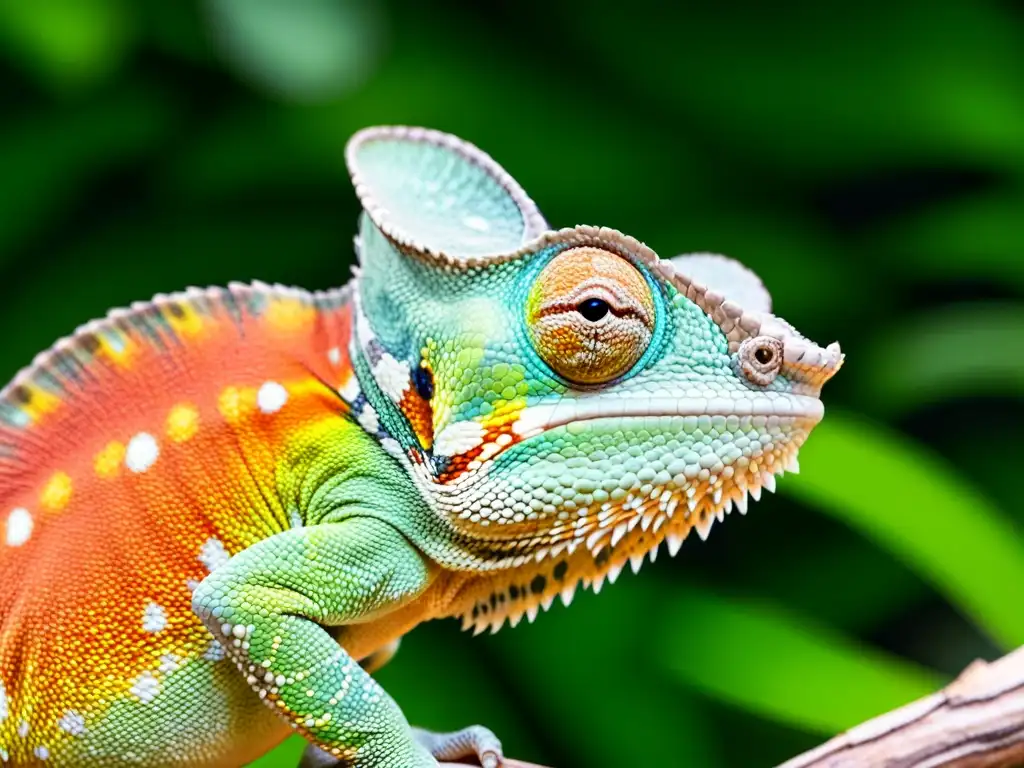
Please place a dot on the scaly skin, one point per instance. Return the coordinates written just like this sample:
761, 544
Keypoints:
221, 508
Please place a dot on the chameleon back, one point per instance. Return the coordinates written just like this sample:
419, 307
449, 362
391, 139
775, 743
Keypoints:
135, 458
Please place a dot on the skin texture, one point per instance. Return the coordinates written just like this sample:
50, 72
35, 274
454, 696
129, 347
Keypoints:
221, 509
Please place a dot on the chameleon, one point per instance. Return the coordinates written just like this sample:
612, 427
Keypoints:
221, 509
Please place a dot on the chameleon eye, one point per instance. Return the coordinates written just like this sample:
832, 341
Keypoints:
590, 315
593, 309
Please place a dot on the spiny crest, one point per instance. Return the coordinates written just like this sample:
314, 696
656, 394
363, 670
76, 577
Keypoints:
109, 347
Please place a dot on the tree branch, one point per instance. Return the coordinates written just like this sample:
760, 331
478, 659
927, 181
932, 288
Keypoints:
977, 721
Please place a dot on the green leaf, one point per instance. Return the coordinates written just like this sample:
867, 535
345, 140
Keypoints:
923, 512
962, 350
308, 50
787, 668
69, 44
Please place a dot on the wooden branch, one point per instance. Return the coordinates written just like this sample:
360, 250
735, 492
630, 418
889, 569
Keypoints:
977, 721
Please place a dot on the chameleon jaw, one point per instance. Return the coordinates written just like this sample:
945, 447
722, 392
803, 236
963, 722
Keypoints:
464, 437
681, 452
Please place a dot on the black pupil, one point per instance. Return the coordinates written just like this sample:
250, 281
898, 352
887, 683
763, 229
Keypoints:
423, 379
593, 309
764, 355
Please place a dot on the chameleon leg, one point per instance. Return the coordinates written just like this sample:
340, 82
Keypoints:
474, 741
268, 606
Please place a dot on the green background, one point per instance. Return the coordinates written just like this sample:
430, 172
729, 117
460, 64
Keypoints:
867, 159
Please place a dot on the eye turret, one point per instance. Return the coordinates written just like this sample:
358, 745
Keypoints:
590, 315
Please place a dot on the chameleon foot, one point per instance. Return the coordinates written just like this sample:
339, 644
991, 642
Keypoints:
474, 741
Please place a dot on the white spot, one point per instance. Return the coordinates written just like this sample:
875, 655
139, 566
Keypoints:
145, 687
41, 752
489, 451
295, 519
19, 527
458, 438
392, 446
142, 452
350, 390
213, 554
479, 223
271, 397
392, 376
334, 355
368, 419
72, 722
215, 652
169, 663
4, 757
154, 618
4, 707
23, 728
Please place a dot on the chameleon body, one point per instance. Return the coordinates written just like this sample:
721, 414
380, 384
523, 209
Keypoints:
219, 510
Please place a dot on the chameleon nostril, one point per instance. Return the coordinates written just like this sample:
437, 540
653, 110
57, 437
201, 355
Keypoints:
760, 359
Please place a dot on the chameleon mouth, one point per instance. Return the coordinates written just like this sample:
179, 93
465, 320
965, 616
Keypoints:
537, 419
472, 445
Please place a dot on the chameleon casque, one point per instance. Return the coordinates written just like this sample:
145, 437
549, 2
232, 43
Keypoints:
220, 510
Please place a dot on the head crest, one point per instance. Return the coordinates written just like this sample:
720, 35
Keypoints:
438, 197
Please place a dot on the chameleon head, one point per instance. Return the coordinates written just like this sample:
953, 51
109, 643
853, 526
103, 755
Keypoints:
564, 397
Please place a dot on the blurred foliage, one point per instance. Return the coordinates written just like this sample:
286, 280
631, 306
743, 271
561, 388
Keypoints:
866, 159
